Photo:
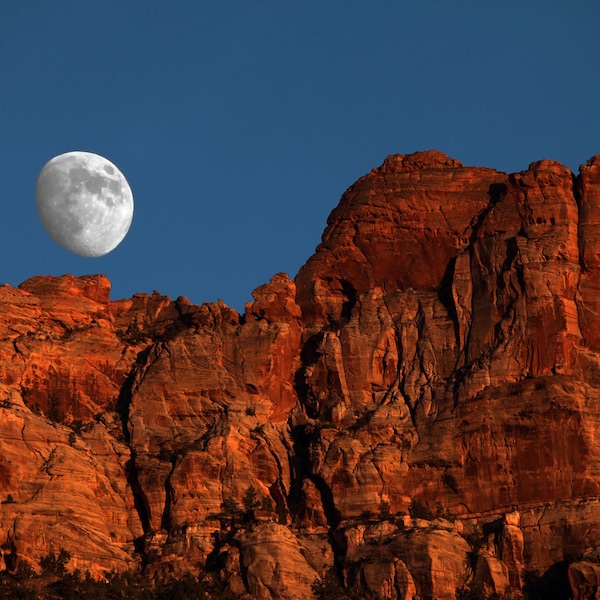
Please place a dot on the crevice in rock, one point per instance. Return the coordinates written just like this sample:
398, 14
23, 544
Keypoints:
351, 298
512, 251
299, 461
301, 471
217, 559
576, 179
331, 513
124, 399
123, 405
579, 201
309, 355
140, 502
496, 193
446, 298
507, 293
277, 488
165, 522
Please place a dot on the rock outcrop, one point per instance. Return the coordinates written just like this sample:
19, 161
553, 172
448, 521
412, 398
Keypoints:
414, 415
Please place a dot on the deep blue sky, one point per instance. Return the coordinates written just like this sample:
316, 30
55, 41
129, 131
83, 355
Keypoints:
240, 124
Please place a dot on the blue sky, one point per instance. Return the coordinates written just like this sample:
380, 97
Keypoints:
239, 124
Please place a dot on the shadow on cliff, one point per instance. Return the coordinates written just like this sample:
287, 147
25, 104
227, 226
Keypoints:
140, 501
496, 193
309, 355
300, 462
446, 298
552, 585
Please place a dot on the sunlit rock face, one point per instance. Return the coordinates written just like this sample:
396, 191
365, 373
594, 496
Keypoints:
415, 413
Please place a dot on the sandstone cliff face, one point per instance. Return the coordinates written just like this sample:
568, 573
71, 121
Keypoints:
416, 413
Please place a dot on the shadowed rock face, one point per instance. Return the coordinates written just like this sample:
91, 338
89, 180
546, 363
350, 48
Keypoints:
415, 413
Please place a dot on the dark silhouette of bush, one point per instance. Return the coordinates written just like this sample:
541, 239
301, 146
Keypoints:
230, 507
266, 504
330, 588
55, 413
117, 586
471, 591
418, 510
13, 588
250, 499
384, 510
53, 564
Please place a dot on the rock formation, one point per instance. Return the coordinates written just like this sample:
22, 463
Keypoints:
414, 415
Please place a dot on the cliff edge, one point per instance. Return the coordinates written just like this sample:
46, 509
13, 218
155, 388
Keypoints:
415, 415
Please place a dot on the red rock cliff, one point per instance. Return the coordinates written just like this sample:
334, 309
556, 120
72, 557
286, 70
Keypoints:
414, 415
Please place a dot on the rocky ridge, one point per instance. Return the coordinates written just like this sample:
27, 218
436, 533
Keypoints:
414, 415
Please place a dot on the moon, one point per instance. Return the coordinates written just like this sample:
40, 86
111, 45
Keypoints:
84, 202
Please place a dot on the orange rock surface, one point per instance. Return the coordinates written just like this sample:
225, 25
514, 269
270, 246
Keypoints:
414, 415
